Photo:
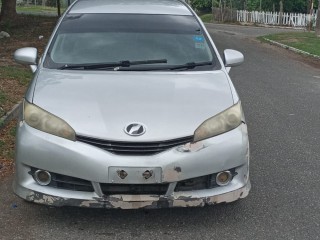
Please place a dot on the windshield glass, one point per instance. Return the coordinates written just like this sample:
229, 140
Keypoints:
109, 38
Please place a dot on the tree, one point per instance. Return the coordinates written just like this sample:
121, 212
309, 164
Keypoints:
8, 10
300, 6
202, 5
318, 22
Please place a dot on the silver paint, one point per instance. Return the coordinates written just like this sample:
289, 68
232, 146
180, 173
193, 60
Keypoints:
99, 104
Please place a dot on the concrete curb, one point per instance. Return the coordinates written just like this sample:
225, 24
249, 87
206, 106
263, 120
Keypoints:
257, 26
291, 48
13, 114
272, 26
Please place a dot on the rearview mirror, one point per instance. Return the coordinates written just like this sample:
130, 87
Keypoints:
27, 56
233, 58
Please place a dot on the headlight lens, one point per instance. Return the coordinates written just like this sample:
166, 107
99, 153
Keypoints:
44, 121
221, 123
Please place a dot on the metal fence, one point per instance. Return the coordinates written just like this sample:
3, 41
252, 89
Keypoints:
296, 20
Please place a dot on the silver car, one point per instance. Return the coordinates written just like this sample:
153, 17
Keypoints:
131, 106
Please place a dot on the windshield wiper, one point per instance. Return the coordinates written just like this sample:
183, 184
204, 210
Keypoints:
190, 65
111, 64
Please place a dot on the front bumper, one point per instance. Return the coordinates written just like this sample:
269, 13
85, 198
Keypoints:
75, 159
199, 199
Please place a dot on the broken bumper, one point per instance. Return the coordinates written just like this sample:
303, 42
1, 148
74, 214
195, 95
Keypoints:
136, 201
35, 149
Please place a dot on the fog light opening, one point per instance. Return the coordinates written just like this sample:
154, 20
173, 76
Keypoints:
224, 178
42, 177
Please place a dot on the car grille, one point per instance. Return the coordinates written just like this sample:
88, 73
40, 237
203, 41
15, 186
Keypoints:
198, 183
70, 183
134, 189
77, 184
134, 148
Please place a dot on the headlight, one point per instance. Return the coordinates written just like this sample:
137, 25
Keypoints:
44, 121
221, 123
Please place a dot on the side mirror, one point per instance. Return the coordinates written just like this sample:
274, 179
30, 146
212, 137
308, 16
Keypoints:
233, 58
26, 56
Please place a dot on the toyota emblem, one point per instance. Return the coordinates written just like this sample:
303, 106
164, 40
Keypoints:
135, 129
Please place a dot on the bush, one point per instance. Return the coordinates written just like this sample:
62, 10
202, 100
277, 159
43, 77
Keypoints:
202, 5
207, 18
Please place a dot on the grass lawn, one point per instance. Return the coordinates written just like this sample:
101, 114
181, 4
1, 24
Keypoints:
15, 78
34, 9
38, 9
305, 41
7, 139
207, 18
13, 83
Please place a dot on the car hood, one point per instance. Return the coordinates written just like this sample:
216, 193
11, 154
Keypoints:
100, 103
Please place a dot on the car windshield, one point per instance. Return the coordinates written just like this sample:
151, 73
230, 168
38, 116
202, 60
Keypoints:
154, 41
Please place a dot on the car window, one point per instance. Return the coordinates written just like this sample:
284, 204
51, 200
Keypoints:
103, 38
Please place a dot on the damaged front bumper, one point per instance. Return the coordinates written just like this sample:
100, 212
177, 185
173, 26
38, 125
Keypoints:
226, 152
138, 201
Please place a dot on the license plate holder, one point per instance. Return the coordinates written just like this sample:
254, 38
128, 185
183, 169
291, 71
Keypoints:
135, 175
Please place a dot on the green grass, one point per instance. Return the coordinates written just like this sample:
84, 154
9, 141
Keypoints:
13, 131
6, 143
207, 18
305, 41
24, 75
37, 9
2, 144
3, 98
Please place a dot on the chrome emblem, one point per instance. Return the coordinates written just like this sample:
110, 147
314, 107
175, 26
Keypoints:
135, 129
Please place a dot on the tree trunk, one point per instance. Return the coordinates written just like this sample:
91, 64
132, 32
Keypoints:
260, 6
308, 5
318, 21
281, 12
8, 10
221, 11
59, 8
212, 11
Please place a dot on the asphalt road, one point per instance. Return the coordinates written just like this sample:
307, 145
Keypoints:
280, 96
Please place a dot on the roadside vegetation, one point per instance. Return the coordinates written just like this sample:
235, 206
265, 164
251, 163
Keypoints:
305, 41
299, 6
207, 18
7, 139
38, 9
15, 78
13, 82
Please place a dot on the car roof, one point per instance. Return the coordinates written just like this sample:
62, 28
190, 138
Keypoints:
172, 7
